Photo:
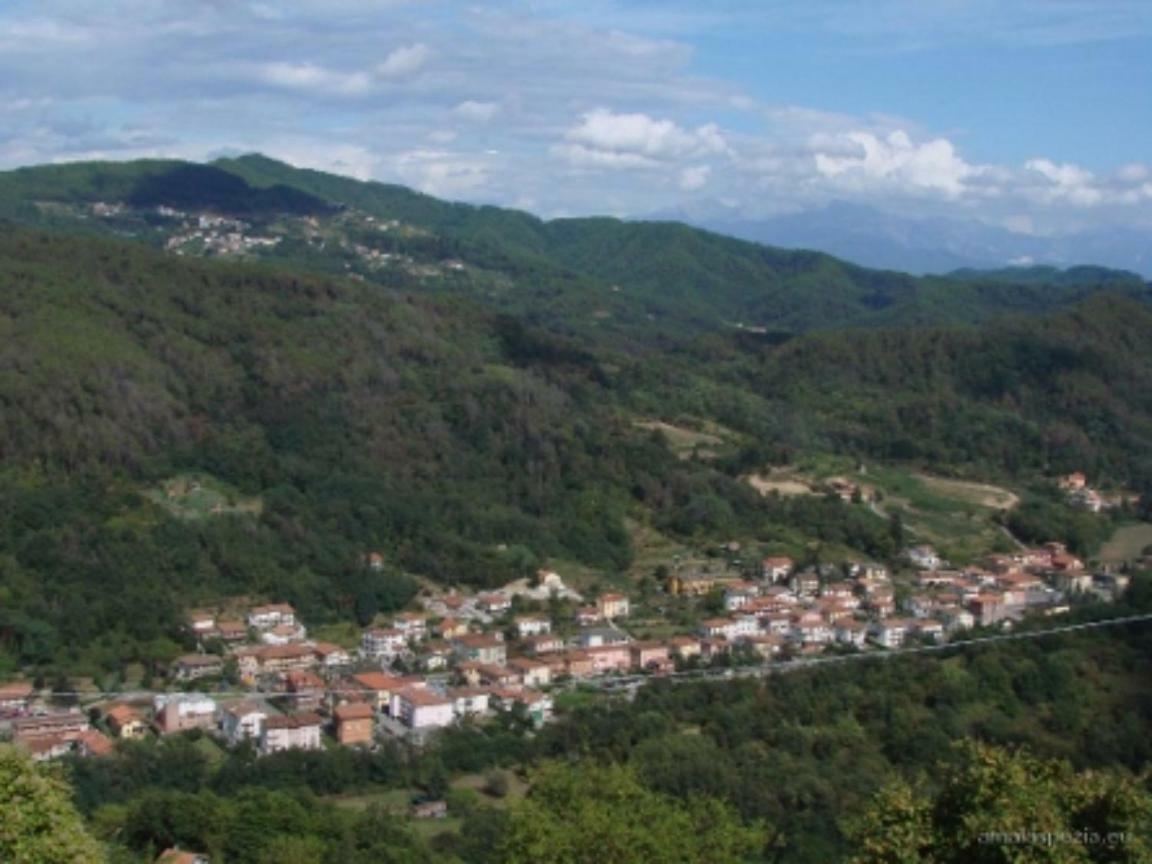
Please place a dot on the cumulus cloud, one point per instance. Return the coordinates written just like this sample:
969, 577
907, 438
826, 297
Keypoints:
602, 129
864, 159
404, 60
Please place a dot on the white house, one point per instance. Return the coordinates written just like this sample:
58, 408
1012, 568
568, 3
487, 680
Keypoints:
533, 625
243, 720
776, 569
890, 633
924, 557
291, 732
469, 701
419, 708
810, 628
273, 615
383, 644
851, 632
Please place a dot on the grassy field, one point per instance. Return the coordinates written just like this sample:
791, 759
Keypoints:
396, 800
1127, 543
954, 515
701, 437
200, 496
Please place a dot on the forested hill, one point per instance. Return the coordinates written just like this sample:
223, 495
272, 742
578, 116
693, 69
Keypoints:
603, 280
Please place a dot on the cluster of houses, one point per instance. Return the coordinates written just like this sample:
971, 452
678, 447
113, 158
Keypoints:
1079, 494
471, 656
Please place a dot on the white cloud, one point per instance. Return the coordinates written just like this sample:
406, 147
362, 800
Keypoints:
479, 111
1066, 182
607, 139
404, 60
863, 159
695, 177
315, 78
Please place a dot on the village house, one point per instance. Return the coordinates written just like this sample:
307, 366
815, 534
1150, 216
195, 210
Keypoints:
579, 665
765, 645
532, 625
434, 655
776, 623
889, 634
684, 647
927, 630
613, 606
740, 595
179, 713
697, 583
380, 644
272, 615
494, 604
413, 624
15, 697
851, 632
651, 656
587, 616
429, 810
596, 637
125, 722
305, 690
91, 742
329, 656
355, 723
546, 644
283, 634
531, 673
495, 675
192, 667
243, 721
201, 622
231, 632
610, 658
377, 688
717, 628
422, 708
481, 648
924, 557
955, 618
810, 628
776, 568
57, 725
291, 732
805, 583
989, 608
450, 628
538, 706
469, 701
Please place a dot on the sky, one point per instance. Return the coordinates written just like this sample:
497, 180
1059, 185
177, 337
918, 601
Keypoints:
1035, 115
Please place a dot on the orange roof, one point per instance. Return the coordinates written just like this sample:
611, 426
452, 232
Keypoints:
121, 714
98, 744
354, 711
376, 681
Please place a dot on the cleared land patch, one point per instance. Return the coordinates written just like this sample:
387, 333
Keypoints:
1127, 543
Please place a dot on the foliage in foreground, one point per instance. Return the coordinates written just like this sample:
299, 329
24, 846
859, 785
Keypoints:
1003, 805
38, 822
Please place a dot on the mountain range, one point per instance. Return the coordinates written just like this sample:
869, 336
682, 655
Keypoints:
875, 238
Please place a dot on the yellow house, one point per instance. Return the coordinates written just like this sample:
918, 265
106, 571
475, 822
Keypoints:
697, 584
124, 722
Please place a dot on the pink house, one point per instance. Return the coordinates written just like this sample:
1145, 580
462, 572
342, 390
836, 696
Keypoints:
610, 658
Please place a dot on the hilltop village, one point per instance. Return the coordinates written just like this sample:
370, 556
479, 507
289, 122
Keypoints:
257, 676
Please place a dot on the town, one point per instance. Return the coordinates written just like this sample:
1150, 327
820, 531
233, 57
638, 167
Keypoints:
258, 677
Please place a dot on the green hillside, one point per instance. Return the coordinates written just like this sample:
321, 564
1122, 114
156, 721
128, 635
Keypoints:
604, 280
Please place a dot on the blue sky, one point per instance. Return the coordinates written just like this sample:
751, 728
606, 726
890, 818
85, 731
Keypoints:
1029, 114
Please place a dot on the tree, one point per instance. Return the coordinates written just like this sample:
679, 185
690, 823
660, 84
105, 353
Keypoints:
998, 805
603, 815
38, 824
